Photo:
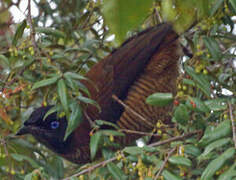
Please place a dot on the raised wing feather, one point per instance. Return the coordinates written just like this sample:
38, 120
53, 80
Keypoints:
116, 73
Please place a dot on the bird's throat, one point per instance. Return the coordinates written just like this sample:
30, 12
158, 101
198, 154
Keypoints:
76, 147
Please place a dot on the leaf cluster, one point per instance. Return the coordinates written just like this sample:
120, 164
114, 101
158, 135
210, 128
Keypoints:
71, 36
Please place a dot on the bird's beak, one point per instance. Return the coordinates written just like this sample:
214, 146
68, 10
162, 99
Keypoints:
22, 131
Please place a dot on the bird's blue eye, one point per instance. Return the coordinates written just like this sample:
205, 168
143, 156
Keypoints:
55, 124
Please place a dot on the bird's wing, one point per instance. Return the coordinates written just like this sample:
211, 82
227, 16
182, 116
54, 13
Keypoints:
116, 73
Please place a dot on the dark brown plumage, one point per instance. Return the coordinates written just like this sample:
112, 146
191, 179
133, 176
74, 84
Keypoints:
144, 64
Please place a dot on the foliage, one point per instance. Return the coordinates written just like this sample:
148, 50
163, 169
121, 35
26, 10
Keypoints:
51, 71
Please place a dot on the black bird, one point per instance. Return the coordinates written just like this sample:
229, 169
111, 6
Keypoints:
146, 63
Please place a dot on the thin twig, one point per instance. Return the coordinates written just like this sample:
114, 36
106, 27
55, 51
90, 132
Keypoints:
131, 110
32, 30
226, 50
158, 15
174, 138
83, 63
3, 142
5, 83
164, 163
139, 132
233, 124
91, 122
103, 163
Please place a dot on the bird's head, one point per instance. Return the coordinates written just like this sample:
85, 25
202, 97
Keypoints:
49, 131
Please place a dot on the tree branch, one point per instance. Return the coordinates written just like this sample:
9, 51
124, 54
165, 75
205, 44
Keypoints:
131, 110
164, 163
233, 124
32, 30
139, 132
103, 163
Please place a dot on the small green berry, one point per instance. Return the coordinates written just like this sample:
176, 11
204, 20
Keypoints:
180, 93
179, 86
197, 69
185, 88
225, 116
205, 72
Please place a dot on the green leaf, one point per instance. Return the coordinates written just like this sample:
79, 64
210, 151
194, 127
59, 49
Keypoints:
213, 47
62, 92
73, 178
181, 114
192, 83
159, 99
192, 150
29, 176
58, 56
203, 9
189, 82
186, 15
180, 160
101, 123
89, 101
170, 176
200, 79
233, 3
107, 153
121, 16
216, 6
4, 61
218, 104
19, 32
52, 110
23, 144
71, 83
222, 130
228, 174
217, 163
150, 149
71, 49
133, 150
56, 168
132, 158
75, 76
50, 31
45, 82
148, 178
19, 157
74, 120
214, 145
168, 12
94, 143
200, 105
28, 75
116, 172
147, 159
83, 88
112, 132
